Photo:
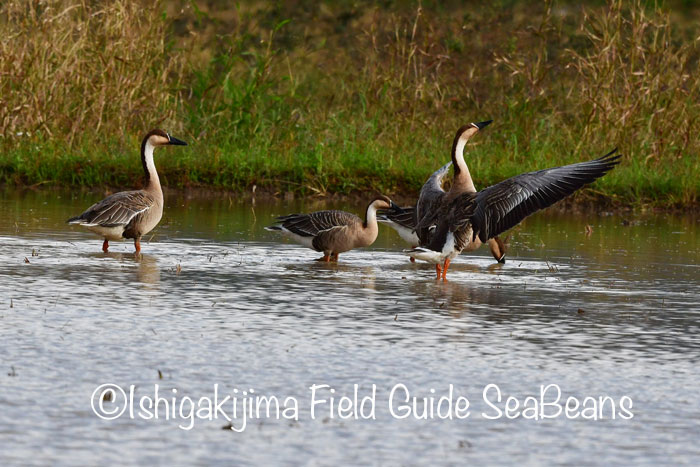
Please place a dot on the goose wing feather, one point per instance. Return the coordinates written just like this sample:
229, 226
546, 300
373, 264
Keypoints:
405, 217
117, 209
430, 197
312, 224
325, 239
502, 206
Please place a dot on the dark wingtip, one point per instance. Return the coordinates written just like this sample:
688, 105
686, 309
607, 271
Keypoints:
502, 260
482, 125
611, 157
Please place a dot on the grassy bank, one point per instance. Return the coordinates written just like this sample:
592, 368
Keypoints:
347, 97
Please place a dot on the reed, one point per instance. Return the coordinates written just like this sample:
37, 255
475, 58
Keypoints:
73, 67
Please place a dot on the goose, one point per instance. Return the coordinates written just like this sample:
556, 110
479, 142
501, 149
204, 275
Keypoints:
471, 218
131, 214
404, 220
333, 232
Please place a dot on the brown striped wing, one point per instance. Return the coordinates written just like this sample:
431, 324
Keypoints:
312, 224
117, 209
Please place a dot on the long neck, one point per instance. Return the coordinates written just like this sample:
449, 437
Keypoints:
149, 168
370, 216
370, 229
463, 180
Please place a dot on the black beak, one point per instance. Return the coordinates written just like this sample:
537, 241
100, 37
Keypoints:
177, 142
482, 125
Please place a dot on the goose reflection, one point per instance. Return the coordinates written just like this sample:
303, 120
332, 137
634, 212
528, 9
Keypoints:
148, 270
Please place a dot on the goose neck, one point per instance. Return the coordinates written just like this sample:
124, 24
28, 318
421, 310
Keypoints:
462, 179
149, 167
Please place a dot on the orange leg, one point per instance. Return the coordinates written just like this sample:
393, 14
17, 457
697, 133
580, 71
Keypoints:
444, 270
324, 258
137, 245
334, 257
438, 269
105, 246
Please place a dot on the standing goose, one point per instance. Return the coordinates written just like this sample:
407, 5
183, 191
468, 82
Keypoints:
333, 232
472, 218
131, 214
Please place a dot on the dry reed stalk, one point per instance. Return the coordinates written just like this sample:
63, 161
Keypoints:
68, 66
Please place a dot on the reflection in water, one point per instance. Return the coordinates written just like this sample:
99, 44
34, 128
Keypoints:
145, 265
215, 299
149, 272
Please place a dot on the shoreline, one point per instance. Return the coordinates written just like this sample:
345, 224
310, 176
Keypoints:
584, 201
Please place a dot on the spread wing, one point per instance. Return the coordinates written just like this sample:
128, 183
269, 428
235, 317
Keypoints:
312, 224
404, 217
499, 207
117, 209
430, 196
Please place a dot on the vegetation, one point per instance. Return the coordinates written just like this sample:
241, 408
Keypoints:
342, 97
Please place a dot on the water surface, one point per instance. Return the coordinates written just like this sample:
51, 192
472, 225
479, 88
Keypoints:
215, 299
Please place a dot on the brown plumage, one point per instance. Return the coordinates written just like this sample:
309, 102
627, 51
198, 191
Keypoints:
333, 232
131, 214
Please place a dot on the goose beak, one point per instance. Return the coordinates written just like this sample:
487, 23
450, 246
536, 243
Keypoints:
176, 142
482, 125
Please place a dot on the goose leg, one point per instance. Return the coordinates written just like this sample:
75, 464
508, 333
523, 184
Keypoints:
334, 257
444, 270
498, 249
137, 245
105, 246
438, 269
325, 258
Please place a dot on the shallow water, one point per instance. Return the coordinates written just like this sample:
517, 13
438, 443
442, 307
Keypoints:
215, 299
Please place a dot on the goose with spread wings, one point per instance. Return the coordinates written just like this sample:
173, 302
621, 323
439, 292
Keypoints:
404, 219
333, 232
472, 218
131, 214
421, 219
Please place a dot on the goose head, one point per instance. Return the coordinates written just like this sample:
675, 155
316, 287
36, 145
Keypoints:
159, 137
466, 132
463, 180
382, 202
153, 139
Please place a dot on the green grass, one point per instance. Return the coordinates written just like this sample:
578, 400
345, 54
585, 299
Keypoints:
350, 98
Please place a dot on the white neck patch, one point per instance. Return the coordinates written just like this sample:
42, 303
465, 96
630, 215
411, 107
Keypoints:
150, 165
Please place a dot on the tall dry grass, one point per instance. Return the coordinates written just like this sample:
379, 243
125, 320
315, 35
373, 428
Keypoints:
74, 66
636, 83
